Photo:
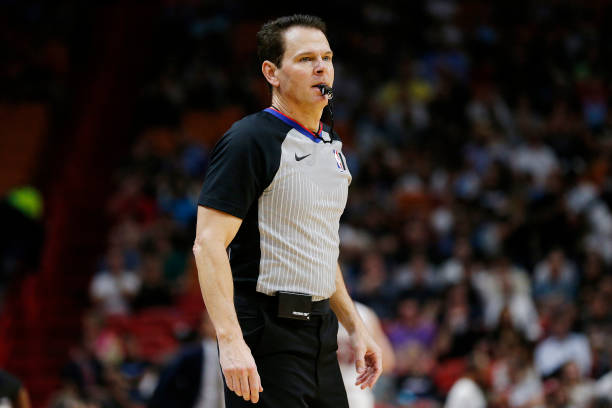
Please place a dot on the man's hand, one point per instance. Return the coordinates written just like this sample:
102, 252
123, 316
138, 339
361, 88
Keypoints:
368, 356
368, 359
239, 369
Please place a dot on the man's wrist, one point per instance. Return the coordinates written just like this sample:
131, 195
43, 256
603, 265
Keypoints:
229, 335
356, 327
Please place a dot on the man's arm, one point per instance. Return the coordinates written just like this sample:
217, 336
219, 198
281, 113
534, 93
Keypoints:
368, 357
214, 232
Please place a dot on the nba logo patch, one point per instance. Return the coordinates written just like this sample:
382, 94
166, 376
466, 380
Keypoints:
340, 160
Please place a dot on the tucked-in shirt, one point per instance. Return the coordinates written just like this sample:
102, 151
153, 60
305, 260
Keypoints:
289, 186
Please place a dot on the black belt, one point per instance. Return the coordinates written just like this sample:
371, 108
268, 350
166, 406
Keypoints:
271, 302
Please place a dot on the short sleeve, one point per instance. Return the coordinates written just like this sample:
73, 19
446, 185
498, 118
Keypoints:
236, 175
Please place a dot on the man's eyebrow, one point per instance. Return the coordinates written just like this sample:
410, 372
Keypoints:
329, 52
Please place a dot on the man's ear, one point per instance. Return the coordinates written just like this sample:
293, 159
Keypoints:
269, 71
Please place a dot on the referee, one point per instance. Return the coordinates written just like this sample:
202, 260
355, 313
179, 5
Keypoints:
267, 240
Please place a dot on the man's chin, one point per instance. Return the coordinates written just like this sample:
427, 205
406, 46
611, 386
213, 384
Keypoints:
319, 96
321, 100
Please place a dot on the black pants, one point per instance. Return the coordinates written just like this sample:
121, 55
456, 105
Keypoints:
296, 359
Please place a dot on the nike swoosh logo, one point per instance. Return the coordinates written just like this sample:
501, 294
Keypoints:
298, 158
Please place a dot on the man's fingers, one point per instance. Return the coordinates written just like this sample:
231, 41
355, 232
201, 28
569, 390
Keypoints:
244, 386
372, 377
255, 385
362, 377
229, 381
374, 368
359, 361
371, 372
237, 388
363, 374
240, 371
378, 367
366, 377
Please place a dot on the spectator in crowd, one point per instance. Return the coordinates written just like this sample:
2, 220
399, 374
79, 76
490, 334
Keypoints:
83, 377
469, 390
132, 378
192, 379
417, 275
507, 287
535, 159
515, 383
411, 324
414, 377
555, 278
153, 289
13, 393
461, 325
113, 288
580, 388
372, 287
455, 269
603, 387
563, 345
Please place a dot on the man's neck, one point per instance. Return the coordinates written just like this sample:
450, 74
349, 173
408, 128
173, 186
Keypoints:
308, 118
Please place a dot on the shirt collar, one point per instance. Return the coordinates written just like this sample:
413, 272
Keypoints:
315, 137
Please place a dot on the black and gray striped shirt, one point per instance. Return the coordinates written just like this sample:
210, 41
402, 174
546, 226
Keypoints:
289, 186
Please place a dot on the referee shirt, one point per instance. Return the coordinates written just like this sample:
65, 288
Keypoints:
289, 186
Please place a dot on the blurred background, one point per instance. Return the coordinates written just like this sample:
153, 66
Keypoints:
478, 226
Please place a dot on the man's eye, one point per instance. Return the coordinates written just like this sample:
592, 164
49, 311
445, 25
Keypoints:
327, 58
305, 59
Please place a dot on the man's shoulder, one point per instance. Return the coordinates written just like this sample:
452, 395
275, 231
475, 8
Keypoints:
257, 129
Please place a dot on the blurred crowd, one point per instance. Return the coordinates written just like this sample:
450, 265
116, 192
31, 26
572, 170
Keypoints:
36, 62
34, 69
478, 225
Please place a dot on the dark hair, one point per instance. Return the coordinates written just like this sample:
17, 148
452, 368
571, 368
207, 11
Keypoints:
270, 43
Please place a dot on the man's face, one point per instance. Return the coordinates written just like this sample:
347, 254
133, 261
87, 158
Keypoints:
307, 62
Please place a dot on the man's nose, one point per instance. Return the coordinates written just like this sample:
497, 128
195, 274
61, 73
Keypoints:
320, 66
